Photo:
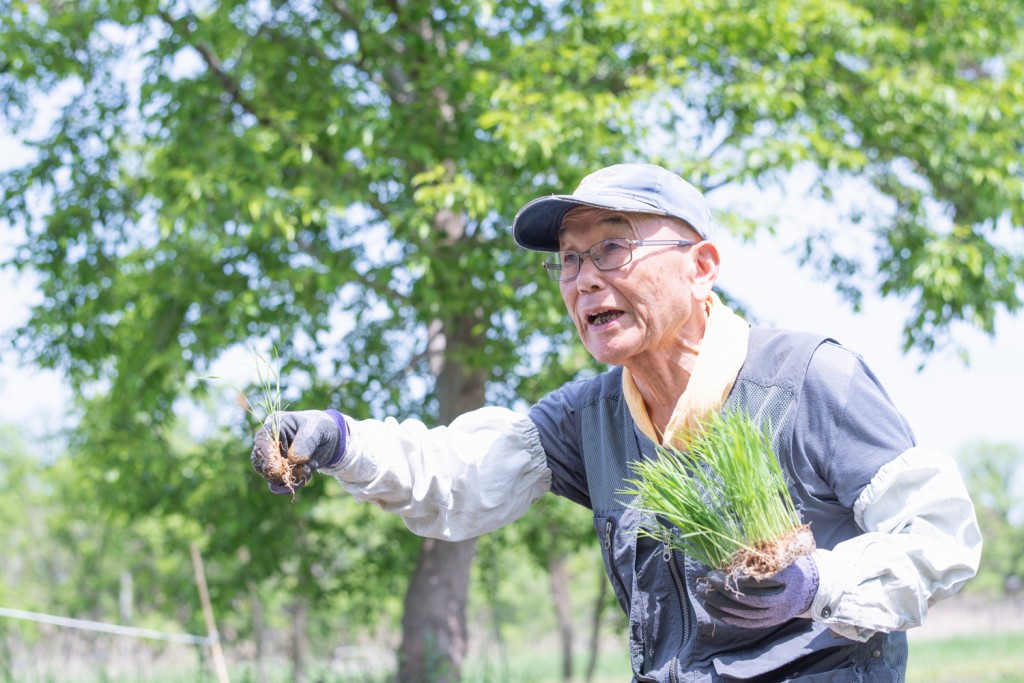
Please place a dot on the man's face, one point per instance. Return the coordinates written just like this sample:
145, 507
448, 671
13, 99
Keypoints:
645, 309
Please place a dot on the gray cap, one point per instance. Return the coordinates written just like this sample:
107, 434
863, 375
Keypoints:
643, 188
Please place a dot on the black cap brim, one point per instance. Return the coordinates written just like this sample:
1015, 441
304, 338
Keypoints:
537, 224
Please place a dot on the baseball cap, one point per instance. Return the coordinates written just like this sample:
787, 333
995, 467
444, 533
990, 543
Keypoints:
644, 188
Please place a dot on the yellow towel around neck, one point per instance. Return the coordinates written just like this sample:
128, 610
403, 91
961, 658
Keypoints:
722, 352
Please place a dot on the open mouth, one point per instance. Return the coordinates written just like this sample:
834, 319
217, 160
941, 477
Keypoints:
602, 317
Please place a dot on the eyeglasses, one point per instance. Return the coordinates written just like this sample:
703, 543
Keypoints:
607, 255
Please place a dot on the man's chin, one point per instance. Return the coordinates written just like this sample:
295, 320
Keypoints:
602, 353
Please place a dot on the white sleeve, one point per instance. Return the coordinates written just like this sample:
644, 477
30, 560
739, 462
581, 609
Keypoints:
921, 544
452, 483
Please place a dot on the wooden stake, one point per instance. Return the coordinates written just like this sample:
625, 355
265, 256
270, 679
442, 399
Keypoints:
211, 626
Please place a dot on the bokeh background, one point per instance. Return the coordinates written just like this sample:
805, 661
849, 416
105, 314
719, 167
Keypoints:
189, 185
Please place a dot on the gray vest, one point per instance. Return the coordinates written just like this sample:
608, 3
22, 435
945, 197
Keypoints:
671, 636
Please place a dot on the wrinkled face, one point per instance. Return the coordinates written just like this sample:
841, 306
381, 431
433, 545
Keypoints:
647, 308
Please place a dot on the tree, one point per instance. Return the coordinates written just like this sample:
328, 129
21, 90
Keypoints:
22, 501
229, 195
993, 472
335, 179
919, 103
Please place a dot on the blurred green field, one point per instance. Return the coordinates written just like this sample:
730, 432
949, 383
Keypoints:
982, 658
979, 658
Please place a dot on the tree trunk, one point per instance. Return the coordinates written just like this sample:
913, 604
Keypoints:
595, 626
559, 574
126, 597
434, 637
300, 639
259, 634
434, 634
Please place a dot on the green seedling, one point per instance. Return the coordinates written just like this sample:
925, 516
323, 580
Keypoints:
268, 401
724, 501
279, 464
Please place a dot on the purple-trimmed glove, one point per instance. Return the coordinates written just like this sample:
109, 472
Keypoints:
750, 603
319, 435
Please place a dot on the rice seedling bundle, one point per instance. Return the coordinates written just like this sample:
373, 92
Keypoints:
724, 501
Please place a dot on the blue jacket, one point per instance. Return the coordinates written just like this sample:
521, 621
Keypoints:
590, 437
894, 524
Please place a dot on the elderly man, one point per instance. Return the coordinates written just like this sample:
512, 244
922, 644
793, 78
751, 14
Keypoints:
631, 252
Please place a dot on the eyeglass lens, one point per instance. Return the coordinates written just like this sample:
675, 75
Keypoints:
606, 255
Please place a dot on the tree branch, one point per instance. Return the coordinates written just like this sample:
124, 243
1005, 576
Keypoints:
216, 67
392, 80
234, 90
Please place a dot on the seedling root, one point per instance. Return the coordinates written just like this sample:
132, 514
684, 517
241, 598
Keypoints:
767, 558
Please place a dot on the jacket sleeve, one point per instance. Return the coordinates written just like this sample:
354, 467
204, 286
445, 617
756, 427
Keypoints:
452, 483
921, 544
914, 536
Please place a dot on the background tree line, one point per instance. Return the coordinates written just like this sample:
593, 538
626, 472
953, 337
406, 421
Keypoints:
334, 179
65, 557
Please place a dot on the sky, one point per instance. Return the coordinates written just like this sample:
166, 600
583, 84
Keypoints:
947, 403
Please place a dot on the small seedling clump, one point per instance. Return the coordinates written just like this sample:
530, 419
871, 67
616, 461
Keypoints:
279, 466
275, 462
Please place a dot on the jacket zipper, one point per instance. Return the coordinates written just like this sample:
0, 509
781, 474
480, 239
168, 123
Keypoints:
609, 528
684, 608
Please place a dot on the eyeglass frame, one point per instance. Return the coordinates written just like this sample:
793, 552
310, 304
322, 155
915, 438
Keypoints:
553, 268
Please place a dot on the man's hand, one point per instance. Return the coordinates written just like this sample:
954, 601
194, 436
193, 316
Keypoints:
749, 603
317, 436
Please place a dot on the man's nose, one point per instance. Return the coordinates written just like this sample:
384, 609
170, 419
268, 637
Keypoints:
589, 275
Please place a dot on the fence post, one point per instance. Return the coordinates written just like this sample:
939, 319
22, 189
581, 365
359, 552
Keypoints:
211, 626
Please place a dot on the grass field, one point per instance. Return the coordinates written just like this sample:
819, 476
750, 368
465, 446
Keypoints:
977, 658
982, 658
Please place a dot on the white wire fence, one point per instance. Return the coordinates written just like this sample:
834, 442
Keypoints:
102, 627
46, 648
211, 640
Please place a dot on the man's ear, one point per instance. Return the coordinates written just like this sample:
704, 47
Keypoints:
706, 259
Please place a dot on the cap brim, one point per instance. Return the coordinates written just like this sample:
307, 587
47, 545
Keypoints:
537, 224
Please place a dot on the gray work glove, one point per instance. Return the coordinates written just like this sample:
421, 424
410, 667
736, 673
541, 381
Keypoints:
314, 438
750, 603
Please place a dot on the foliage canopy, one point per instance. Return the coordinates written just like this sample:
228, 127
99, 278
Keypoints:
335, 179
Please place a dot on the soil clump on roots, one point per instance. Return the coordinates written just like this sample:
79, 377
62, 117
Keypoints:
769, 557
279, 465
